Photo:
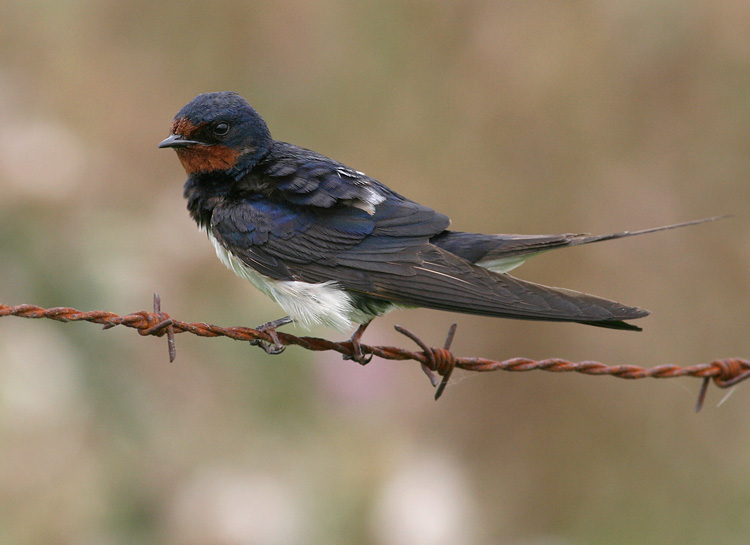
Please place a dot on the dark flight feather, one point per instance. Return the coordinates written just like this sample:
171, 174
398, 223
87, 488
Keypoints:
389, 256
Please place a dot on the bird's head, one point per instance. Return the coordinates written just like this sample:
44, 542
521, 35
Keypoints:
218, 132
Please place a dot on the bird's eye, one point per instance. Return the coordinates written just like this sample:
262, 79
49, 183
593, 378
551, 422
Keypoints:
221, 129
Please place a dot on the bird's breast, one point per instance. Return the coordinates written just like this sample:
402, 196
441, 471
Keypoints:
324, 303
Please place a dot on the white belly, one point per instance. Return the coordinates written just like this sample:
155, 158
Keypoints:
307, 304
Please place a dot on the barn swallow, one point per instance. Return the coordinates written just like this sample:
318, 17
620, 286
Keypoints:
333, 246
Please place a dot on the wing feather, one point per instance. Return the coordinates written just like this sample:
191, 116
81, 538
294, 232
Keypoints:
388, 256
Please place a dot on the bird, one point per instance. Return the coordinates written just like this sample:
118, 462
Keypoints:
335, 247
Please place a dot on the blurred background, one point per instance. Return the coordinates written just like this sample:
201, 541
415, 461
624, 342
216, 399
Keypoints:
515, 117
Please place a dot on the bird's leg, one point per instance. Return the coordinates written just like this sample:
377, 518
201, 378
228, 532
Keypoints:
358, 354
270, 328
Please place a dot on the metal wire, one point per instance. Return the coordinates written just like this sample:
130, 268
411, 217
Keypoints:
724, 372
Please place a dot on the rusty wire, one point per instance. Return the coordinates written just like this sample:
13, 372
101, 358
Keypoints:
724, 372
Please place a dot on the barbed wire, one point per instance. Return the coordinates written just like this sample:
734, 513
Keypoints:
723, 372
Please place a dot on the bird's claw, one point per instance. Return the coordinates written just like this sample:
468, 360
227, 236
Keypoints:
269, 328
358, 354
269, 348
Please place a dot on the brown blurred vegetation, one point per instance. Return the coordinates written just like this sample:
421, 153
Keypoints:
526, 117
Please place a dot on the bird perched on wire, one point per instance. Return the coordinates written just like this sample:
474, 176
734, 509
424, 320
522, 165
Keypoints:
333, 246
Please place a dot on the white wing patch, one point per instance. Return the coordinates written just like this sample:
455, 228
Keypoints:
371, 197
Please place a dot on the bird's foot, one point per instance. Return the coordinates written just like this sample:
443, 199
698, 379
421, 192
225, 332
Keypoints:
358, 354
270, 329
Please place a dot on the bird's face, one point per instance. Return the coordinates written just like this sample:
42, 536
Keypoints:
218, 132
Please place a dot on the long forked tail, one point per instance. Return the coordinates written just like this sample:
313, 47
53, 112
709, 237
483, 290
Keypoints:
586, 239
502, 253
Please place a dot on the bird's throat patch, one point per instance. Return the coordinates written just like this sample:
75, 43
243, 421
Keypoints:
199, 158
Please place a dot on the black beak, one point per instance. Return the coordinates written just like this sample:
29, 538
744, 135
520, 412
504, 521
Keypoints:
176, 141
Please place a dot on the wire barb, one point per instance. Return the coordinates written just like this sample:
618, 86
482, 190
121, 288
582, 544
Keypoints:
440, 360
166, 324
723, 372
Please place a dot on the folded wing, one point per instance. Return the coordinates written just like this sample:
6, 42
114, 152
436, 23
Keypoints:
388, 256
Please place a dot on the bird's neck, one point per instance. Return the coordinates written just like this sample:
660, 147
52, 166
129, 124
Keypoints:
204, 191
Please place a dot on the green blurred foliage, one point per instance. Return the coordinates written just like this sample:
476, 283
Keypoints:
524, 117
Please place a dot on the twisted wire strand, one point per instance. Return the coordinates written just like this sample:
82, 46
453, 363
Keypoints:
723, 372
